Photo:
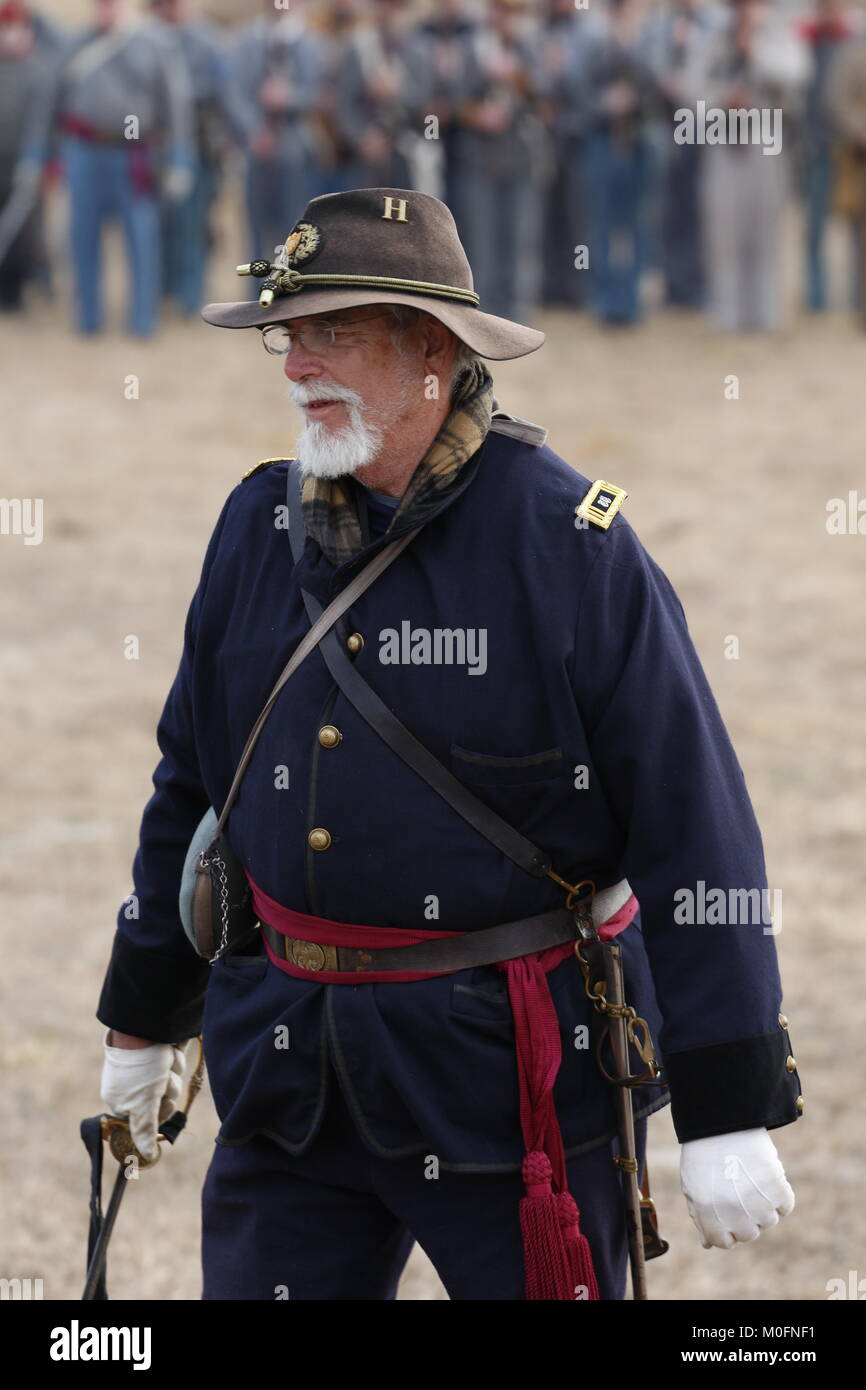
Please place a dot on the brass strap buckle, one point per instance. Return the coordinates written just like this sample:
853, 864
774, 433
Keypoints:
573, 891
309, 955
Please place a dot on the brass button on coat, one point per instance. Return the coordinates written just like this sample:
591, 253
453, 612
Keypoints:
790, 1065
800, 1105
355, 642
329, 736
318, 839
783, 1022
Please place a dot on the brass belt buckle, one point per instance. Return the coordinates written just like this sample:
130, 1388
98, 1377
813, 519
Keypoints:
309, 955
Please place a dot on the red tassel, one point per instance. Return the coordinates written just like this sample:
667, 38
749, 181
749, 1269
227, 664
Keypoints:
548, 1262
583, 1281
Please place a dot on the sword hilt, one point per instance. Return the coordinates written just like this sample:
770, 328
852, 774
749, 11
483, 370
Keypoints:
115, 1129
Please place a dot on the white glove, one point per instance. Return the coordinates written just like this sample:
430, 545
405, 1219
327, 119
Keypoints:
145, 1084
734, 1185
177, 183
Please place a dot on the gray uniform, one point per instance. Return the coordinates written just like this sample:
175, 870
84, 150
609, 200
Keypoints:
21, 81
564, 44
332, 152
121, 102
375, 55
275, 73
437, 57
204, 52
502, 174
103, 79
186, 232
743, 190
672, 40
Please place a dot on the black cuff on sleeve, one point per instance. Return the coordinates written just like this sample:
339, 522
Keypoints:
151, 995
737, 1085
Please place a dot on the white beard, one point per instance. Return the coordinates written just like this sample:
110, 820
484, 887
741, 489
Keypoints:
330, 453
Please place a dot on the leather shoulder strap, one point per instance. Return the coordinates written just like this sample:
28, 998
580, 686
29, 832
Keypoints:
517, 428
400, 739
324, 622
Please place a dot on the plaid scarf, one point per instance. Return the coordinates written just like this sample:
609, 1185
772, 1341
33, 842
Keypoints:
329, 509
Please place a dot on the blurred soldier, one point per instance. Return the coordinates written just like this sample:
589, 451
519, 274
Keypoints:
621, 96
437, 56
186, 232
121, 100
565, 39
848, 100
672, 40
275, 70
756, 64
827, 33
502, 160
28, 45
333, 25
376, 110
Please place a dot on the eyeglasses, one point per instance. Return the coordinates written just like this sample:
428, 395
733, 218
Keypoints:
321, 336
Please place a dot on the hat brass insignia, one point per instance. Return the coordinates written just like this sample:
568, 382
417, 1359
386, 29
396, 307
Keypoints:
303, 243
280, 277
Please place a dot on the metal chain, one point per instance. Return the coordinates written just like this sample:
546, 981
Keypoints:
219, 863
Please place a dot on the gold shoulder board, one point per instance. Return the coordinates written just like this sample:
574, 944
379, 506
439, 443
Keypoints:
263, 464
601, 503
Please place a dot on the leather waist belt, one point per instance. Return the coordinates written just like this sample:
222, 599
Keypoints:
83, 130
444, 954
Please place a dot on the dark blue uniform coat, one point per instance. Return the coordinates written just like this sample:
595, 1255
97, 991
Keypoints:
588, 665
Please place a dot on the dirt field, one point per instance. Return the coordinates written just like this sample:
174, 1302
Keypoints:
729, 495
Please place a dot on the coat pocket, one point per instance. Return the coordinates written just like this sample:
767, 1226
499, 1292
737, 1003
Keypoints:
491, 770
527, 791
482, 998
248, 959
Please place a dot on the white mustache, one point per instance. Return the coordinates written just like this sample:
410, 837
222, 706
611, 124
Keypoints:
308, 395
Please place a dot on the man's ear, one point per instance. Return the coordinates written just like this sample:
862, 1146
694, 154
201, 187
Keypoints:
441, 346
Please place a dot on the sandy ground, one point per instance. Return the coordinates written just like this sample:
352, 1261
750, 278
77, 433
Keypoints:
729, 495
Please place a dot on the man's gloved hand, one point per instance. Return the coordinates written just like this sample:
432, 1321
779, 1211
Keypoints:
177, 183
144, 1083
734, 1185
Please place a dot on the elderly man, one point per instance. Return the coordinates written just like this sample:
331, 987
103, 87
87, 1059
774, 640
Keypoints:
435, 823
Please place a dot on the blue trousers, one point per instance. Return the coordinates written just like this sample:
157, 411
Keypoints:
818, 189
682, 247
615, 178
339, 1223
277, 193
500, 229
186, 241
100, 190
